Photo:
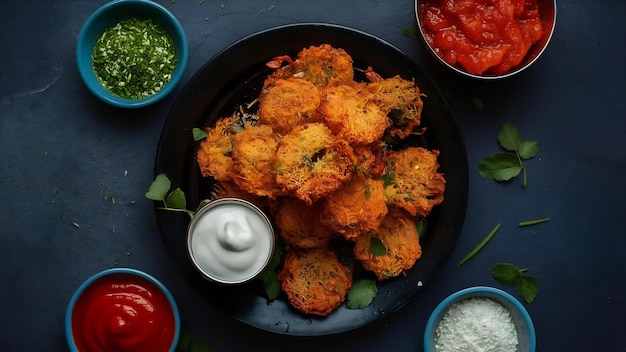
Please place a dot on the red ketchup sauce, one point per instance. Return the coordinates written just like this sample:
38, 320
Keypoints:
123, 313
481, 37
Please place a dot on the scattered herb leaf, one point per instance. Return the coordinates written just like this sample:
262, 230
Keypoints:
421, 225
377, 247
361, 294
480, 245
505, 166
198, 134
159, 190
412, 32
478, 103
509, 274
532, 222
269, 276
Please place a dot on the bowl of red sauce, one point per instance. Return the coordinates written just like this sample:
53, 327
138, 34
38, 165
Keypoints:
486, 39
121, 310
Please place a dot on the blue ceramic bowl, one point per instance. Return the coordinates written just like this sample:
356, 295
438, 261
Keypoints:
107, 16
523, 324
135, 275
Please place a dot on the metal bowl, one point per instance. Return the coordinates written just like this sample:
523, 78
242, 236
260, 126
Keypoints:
547, 9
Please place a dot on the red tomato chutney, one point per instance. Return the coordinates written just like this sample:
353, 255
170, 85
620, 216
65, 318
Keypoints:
123, 313
481, 37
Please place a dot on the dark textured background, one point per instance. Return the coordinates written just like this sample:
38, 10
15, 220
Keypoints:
66, 158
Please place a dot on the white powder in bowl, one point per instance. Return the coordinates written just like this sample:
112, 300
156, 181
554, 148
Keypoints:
478, 325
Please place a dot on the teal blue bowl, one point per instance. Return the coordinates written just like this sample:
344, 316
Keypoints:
110, 14
159, 297
523, 323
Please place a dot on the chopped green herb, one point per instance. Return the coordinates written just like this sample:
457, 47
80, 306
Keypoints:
377, 247
480, 245
412, 32
198, 134
134, 58
532, 222
361, 294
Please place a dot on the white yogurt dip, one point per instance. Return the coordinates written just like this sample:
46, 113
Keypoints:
230, 240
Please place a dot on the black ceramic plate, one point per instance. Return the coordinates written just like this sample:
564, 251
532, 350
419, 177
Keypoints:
234, 77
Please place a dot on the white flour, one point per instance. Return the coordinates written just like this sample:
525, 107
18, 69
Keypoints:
476, 325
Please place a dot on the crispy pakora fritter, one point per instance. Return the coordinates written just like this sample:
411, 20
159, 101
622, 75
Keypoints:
321, 65
287, 103
401, 99
352, 115
413, 180
314, 280
398, 235
358, 206
299, 224
213, 155
253, 154
311, 163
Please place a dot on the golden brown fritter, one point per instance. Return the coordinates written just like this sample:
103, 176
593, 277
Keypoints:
314, 280
413, 182
253, 154
398, 235
358, 206
325, 65
400, 99
299, 224
352, 115
311, 163
287, 103
213, 155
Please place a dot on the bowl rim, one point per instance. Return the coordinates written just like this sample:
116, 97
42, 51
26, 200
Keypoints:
207, 205
84, 63
510, 73
477, 291
123, 271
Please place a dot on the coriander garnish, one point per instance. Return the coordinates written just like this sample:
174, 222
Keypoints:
134, 59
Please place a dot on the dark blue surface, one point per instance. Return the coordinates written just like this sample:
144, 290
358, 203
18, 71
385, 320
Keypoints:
75, 170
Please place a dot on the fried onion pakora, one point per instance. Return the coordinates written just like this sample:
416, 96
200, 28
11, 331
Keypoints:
299, 224
398, 234
311, 163
287, 103
321, 65
253, 154
400, 99
352, 115
358, 206
213, 155
314, 280
413, 182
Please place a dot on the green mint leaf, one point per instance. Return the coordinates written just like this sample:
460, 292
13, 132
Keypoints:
507, 274
271, 284
377, 247
527, 288
361, 294
412, 32
500, 167
176, 199
421, 225
478, 103
159, 188
509, 138
528, 149
198, 134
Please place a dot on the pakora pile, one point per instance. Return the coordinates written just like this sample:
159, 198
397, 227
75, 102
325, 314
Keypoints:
322, 153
